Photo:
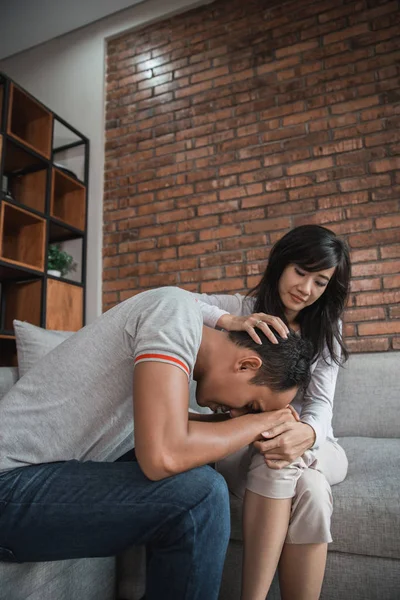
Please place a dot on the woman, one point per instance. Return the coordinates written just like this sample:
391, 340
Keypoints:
285, 480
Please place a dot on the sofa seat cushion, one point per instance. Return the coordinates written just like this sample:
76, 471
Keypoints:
75, 579
366, 513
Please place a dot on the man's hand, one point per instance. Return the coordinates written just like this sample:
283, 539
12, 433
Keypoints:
287, 441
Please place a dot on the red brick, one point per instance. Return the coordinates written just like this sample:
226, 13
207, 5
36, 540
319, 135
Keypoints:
345, 34
267, 225
150, 281
304, 117
199, 248
396, 343
244, 242
198, 223
200, 275
222, 258
384, 327
374, 238
391, 282
371, 209
387, 164
390, 251
264, 199
380, 139
221, 232
291, 208
368, 345
386, 222
363, 183
378, 298
344, 146
225, 285
151, 255
319, 218
353, 315
365, 285
177, 265
176, 240
394, 312
311, 165
376, 268
364, 255
287, 182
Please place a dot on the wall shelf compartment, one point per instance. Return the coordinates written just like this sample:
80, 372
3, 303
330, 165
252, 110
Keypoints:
21, 300
29, 121
68, 200
64, 305
22, 239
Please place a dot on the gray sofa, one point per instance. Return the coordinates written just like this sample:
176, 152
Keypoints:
364, 559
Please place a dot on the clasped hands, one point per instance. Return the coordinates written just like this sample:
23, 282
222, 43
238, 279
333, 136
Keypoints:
285, 442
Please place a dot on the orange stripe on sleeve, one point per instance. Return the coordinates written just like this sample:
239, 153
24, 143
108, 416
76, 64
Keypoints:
163, 358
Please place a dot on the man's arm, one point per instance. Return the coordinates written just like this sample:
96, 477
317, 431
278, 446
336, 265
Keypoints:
166, 442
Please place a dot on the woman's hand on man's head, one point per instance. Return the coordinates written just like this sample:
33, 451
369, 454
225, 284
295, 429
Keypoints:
251, 322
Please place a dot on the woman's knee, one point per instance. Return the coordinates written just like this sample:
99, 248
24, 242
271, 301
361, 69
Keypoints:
313, 494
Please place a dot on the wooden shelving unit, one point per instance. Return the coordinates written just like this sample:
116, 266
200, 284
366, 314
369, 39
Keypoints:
41, 202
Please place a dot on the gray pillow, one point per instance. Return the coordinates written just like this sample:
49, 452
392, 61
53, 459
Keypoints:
35, 342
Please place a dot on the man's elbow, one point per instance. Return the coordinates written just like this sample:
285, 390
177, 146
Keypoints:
157, 467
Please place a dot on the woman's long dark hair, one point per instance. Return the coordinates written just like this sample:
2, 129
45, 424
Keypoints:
312, 248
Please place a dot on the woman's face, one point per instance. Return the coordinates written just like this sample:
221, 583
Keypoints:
299, 288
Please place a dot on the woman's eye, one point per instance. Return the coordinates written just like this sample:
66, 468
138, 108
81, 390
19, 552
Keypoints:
301, 273
320, 284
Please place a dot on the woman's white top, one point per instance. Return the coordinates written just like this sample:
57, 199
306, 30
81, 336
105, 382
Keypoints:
315, 406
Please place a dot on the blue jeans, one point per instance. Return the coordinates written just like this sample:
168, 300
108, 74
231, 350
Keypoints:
78, 509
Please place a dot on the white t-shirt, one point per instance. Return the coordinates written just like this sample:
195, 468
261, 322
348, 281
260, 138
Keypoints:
76, 402
315, 406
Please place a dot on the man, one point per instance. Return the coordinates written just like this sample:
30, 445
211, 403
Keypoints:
65, 423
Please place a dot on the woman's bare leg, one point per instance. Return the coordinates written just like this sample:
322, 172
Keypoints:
265, 525
301, 571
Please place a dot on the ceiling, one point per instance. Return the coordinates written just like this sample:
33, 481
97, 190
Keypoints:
27, 23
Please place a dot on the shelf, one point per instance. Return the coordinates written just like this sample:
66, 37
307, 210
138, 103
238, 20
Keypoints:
29, 189
19, 160
2, 95
8, 352
22, 300
15, 272
29, 122
68, 200
43, 201
22, 237
64, 306
61, 232
69, 150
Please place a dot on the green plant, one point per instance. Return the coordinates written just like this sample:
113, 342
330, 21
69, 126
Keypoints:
59, 260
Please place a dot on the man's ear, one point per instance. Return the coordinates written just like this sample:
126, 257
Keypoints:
251, 362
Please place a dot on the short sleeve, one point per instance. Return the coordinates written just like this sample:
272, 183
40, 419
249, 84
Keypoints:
165, 325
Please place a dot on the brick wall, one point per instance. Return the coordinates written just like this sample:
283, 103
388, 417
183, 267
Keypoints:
230, 124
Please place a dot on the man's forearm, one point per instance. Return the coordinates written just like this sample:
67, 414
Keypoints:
208, 442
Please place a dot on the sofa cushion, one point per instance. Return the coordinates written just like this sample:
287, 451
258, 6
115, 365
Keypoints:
34, 342
87, 578
367, 398
8, 376
366, 514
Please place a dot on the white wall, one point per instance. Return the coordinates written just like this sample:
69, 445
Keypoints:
27, 23
68, 75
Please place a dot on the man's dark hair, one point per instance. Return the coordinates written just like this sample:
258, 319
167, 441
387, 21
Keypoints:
284, 365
